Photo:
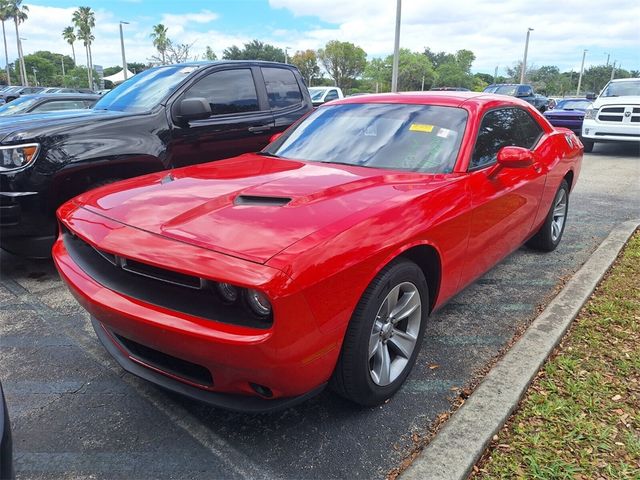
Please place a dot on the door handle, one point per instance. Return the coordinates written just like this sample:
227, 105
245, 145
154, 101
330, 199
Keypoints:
259, 128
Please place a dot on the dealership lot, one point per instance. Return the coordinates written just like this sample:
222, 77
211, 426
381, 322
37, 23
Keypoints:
76, 413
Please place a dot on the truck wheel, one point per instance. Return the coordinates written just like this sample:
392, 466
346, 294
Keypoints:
588, 145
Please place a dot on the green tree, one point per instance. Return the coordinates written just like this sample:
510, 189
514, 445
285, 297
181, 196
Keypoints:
343, 61
161, 41
415, 71
438, 58
254, 50
70, 36
18, 12
137, 67
5, 14
84, 19
378, 74
307, 63
209, 54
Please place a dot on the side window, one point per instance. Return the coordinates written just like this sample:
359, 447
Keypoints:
228, 91
501, 128
282, 87
529, 130
525, 90
332, 95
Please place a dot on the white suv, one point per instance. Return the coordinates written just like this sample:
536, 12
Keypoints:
615, 115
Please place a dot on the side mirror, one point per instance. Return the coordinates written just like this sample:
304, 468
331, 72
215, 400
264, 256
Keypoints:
515, 157
196, 108
274, 137
590, 96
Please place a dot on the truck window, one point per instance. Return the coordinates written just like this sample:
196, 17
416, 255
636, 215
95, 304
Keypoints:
227, 91
332, 95
282, 87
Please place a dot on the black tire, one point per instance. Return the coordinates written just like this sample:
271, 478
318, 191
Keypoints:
352, 377
588, 145
546, 239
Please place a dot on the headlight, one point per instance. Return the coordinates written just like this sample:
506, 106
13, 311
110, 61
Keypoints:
14, 157
591, 113
228, 293
258, 303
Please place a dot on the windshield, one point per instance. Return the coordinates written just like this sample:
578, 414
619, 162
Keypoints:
506, 90
145, 90
19, 105
316, 93
622, 89
573, 104
416, 138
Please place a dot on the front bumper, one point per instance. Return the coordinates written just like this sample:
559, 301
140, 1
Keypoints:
597, 131
28, 228
292, 358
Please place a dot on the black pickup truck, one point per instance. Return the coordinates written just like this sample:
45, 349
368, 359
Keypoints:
164, 117
522, 91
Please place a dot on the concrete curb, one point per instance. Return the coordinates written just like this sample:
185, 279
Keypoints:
457, 447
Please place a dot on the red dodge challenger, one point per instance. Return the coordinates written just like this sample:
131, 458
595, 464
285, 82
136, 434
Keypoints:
253, 282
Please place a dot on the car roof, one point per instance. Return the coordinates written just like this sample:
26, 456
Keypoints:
616, 80
444, 98
63, 96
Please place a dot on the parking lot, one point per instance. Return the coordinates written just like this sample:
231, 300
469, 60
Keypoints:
75, 413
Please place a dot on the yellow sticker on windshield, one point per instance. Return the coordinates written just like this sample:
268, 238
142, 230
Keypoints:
420, 127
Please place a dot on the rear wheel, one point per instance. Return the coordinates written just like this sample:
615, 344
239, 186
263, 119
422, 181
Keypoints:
550, 234
384, 336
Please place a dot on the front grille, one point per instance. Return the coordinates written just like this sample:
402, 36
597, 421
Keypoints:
612, 110
156, 286
176, 366
610, 118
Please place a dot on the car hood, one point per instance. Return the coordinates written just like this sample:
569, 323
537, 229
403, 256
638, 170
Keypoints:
31, 126
627, 100
251, 206
563, 113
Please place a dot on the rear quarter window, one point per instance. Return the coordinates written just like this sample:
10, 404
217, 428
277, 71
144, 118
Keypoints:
282, 87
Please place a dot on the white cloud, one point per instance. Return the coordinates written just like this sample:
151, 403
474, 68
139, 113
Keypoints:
494, 31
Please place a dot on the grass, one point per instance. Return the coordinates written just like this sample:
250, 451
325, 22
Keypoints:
580, 418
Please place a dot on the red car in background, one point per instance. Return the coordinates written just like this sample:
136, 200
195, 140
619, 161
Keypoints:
252, 282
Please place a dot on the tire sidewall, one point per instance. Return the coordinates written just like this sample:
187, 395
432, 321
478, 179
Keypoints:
563, 186
398, 273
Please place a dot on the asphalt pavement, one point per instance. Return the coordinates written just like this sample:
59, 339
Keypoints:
76, 414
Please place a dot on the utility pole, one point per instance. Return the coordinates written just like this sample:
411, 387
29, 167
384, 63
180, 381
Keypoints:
124, 59
524, 60
584, 54
35, 78
23, 70
613, 70
396, 49
64, 83
607, 54
495, 75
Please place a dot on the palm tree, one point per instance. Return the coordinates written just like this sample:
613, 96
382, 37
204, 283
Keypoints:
5, 14
84, 20
70, 36
160, 40
18, 12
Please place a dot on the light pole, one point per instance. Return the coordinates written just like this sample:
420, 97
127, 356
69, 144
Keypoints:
613, 70
396, 49
23, 70
607, 54
584, 54
124, 59
286, 56
35, 78
524, 60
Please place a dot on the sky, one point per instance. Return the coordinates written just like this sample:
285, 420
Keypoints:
494, 31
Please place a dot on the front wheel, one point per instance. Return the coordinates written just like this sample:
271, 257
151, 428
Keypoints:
384, 336
550, 233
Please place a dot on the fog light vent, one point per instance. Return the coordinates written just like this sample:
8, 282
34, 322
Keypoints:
262, 390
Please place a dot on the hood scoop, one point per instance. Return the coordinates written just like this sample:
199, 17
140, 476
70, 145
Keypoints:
261, 201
